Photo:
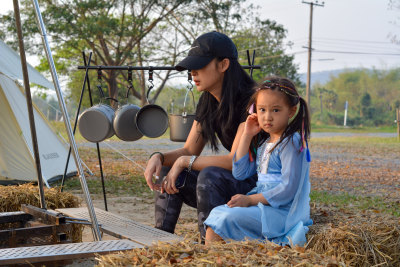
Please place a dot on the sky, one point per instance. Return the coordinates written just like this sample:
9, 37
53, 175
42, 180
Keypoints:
344, 27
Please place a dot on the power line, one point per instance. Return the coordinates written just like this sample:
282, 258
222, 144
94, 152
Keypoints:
356, 52
364, 48
350, 40
372, 46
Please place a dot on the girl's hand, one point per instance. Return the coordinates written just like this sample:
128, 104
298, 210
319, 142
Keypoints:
153, 169
168, 184
239, 200
251, 127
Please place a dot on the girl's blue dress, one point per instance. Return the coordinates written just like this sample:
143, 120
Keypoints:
286, 187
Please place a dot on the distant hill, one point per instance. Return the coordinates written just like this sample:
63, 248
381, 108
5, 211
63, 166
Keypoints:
321, 77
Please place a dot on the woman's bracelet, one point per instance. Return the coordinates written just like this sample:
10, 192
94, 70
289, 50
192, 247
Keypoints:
191, 161
161, 154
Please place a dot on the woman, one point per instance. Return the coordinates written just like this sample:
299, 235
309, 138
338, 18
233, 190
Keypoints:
204, 181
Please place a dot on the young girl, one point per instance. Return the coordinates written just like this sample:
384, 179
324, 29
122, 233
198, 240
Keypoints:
278, 207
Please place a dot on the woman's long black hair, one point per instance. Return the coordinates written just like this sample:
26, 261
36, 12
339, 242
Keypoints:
225, 116
301, 121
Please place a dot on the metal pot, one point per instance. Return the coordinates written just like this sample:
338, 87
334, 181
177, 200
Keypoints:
125, 123
152, 120
96, 123
180, 125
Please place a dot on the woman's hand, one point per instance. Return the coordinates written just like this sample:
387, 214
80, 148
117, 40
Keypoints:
251, 127
239, 200
168, 184
153, 168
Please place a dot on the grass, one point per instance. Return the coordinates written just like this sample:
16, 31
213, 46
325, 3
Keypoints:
133, 186
59, 128
355, 129
136, 186
347, 201
370, 140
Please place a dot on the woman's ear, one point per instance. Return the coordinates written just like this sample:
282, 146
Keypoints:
224, 64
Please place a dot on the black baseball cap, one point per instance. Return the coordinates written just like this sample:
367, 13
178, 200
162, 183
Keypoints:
207, 47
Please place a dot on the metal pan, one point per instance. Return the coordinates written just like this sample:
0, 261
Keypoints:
152, 120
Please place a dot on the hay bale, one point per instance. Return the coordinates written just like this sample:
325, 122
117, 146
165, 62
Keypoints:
356, 239
246, 253
338, 237
11, 198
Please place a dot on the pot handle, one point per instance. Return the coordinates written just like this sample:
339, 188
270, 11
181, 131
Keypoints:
184, 113
189, 88
102, 96
100, 88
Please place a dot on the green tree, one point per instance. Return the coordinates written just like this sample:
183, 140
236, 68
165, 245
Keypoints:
143, 33
372, 94
113, 30
365, 103
327, 99
267, 38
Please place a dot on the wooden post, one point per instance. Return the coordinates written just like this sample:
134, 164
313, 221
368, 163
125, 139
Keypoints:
398, 123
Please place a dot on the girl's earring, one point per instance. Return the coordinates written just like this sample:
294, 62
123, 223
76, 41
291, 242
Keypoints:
251, 109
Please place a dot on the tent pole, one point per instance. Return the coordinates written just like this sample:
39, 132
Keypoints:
29, 103
95, 225
76, 117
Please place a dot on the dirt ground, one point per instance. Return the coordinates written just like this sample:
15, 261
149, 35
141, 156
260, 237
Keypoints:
139, 209
362, 170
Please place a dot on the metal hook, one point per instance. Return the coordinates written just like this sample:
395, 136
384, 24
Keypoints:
130, 83
100, 87
151, 78
100, 83
151, 85
190, 85
189, 89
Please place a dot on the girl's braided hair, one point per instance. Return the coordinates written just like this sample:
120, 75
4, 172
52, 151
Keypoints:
300, 123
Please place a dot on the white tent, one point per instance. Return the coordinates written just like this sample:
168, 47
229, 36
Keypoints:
16, 150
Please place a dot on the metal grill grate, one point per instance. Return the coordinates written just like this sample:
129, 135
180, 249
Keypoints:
63, 251
121, 227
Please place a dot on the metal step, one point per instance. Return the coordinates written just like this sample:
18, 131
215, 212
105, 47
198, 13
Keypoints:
57, 252
121, 227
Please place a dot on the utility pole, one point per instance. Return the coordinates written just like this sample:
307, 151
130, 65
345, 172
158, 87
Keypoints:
398, 123
346, 106
312, 4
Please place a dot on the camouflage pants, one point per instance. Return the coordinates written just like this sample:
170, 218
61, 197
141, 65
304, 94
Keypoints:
204, 190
